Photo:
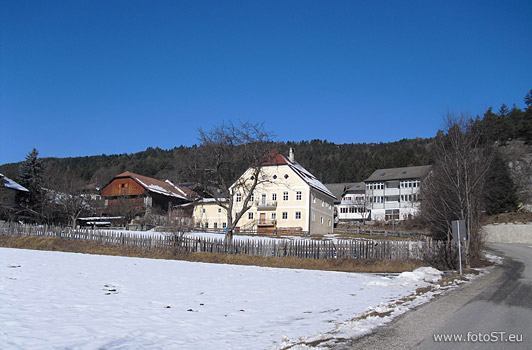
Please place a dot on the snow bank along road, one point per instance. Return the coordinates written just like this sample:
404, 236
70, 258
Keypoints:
76, 301
494, 312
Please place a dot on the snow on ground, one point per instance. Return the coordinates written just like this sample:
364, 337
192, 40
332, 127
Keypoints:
153, 233
80, 301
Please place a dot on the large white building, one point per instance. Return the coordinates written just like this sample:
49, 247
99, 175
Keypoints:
288, 200
393, 194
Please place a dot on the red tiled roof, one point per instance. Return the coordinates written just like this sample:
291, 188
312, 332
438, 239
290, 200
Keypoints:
275, 158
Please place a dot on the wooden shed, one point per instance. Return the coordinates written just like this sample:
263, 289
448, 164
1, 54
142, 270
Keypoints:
142, 194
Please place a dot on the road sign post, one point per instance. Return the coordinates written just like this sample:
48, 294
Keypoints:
459, 231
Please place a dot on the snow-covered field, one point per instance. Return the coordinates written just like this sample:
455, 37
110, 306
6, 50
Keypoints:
55, 300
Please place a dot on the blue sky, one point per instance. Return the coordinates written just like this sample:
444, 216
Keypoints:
84, 78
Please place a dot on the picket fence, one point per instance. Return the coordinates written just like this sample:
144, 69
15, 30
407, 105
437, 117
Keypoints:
301, 248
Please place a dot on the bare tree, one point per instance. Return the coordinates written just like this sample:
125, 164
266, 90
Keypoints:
69, 200
454, 189
225, 153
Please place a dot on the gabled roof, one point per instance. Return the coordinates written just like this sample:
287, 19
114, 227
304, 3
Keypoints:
166, 188
357, 186
413, 172
339, 189
8, 183
277, 159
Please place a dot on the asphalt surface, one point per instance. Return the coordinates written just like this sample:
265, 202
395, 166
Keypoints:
492, 312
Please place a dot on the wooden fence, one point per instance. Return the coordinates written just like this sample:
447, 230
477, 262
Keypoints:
301, 248
384, 233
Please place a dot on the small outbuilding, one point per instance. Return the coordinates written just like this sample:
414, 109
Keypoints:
143, 194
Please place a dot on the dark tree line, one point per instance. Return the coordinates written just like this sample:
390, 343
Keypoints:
506, 123
329, 162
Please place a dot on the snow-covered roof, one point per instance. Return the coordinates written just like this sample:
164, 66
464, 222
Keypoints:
211, 200
165, 188
101, 218
278, 159
8, 183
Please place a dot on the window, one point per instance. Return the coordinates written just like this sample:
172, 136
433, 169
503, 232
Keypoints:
215, 225
274, 216
298, 215
299, 195
122, 185
203, 210
391, 214
274, 177
224, 225
238, 197
313, 216
314, 198
286, 176
219, 210
285, 215
250, 215
329, 222
274, 197
206, 225
285, 196
321, 220
252, 197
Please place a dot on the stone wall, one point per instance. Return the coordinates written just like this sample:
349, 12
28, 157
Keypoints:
508, 233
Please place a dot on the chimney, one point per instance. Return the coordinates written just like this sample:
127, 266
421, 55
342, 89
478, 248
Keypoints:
291, 155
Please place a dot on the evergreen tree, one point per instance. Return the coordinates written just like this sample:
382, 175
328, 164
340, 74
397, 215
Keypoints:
528, 99
31, 176
500, 191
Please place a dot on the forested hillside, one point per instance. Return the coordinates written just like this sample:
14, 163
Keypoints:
330, 162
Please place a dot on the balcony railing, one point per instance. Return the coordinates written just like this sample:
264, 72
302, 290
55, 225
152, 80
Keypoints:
261, 204
266, 222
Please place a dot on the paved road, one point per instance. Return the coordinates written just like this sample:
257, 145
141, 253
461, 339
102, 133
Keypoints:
493, 312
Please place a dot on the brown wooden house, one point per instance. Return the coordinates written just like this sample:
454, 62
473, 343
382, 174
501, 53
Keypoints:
131, 195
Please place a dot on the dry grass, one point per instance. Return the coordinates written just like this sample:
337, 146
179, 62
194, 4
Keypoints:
507, 218
87, 247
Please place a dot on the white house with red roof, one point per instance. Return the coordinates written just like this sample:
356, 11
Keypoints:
288, 200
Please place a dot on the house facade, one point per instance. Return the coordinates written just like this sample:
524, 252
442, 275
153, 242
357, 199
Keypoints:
393, 194
288, 200
8, 192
